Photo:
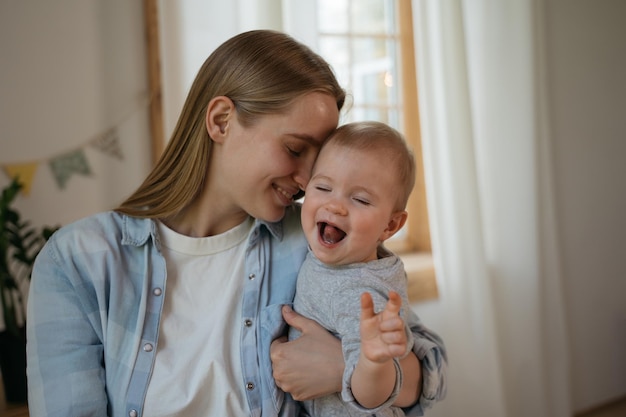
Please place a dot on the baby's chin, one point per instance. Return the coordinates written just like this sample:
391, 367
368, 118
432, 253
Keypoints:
330, 256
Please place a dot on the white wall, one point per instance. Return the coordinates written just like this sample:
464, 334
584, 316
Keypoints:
586, 43
71, 69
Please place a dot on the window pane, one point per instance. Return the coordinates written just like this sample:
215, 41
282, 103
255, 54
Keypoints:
373, 16
373, 89
336, 50
368, 49
393, 118
363, 55
332, 16
375, 57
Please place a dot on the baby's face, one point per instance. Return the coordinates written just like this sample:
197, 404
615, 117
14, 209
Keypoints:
348, 205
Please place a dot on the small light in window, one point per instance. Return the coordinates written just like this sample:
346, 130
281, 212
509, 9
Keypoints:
388, 79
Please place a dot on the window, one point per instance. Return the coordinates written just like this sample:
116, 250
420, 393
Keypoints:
369, 43
361, 41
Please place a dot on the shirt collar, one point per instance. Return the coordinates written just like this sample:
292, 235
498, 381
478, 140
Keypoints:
136, 231
276, 229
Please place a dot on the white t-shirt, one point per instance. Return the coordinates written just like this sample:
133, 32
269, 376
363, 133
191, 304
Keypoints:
198, 365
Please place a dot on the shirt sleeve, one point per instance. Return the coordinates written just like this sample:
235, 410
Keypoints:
431, 352
64, 350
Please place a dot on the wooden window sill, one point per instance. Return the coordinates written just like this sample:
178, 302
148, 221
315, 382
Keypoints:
422, 281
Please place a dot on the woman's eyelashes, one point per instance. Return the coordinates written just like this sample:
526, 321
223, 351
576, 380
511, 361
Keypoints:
296, 149
294, 152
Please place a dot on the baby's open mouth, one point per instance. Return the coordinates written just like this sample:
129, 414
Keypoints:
330, 234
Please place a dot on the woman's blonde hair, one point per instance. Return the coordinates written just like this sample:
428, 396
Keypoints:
262, 72
388, 143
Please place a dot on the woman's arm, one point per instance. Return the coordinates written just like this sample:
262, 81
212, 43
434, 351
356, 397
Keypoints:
65, 372
310, 366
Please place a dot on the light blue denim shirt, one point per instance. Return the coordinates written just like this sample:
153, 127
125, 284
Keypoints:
95, 304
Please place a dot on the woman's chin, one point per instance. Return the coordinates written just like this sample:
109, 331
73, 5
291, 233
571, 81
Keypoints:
275, 214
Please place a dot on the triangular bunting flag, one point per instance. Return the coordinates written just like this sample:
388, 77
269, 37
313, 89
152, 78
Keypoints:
109, 143
67, 164
24, 173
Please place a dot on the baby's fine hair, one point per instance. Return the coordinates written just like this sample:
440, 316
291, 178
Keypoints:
262, 72
384, 141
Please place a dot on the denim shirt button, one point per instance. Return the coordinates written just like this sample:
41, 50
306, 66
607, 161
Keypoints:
249, 386
157, 291
133, 413
247, 322
251, 277
147, 347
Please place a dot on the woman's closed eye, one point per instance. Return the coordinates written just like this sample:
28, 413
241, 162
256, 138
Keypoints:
294, 152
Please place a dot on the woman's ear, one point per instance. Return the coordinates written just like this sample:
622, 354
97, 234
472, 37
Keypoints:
396, 222
219, 114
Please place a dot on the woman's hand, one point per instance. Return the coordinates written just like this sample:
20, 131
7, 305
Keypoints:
310, 366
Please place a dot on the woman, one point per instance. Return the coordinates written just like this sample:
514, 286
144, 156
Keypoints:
108, 334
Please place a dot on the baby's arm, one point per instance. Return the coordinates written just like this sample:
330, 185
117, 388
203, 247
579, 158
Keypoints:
383, 337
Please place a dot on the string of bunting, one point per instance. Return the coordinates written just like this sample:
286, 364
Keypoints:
73, 162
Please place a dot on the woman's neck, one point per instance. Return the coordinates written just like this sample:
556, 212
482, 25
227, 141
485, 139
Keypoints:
199, 220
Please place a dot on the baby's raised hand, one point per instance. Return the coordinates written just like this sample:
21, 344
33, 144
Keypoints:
382, 334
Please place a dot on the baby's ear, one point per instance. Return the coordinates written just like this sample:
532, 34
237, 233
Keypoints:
220, 112
396, 221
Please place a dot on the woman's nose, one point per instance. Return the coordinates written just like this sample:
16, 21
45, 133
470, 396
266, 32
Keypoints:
303, 175
302, 180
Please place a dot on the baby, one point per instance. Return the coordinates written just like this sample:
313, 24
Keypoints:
356, 200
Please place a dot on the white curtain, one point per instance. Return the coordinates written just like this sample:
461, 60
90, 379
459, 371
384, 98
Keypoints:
487, 159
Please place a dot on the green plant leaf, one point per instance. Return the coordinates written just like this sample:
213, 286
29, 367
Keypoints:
19, 245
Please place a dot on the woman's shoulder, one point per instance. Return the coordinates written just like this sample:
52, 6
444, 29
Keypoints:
104, 221
105, 228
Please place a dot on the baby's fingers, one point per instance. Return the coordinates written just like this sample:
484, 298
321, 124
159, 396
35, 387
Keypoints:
367, 306
392, 308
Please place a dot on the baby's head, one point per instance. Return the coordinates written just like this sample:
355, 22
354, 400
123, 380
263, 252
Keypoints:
358, 192
388, 145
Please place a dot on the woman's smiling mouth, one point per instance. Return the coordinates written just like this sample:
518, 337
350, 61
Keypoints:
287, 195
